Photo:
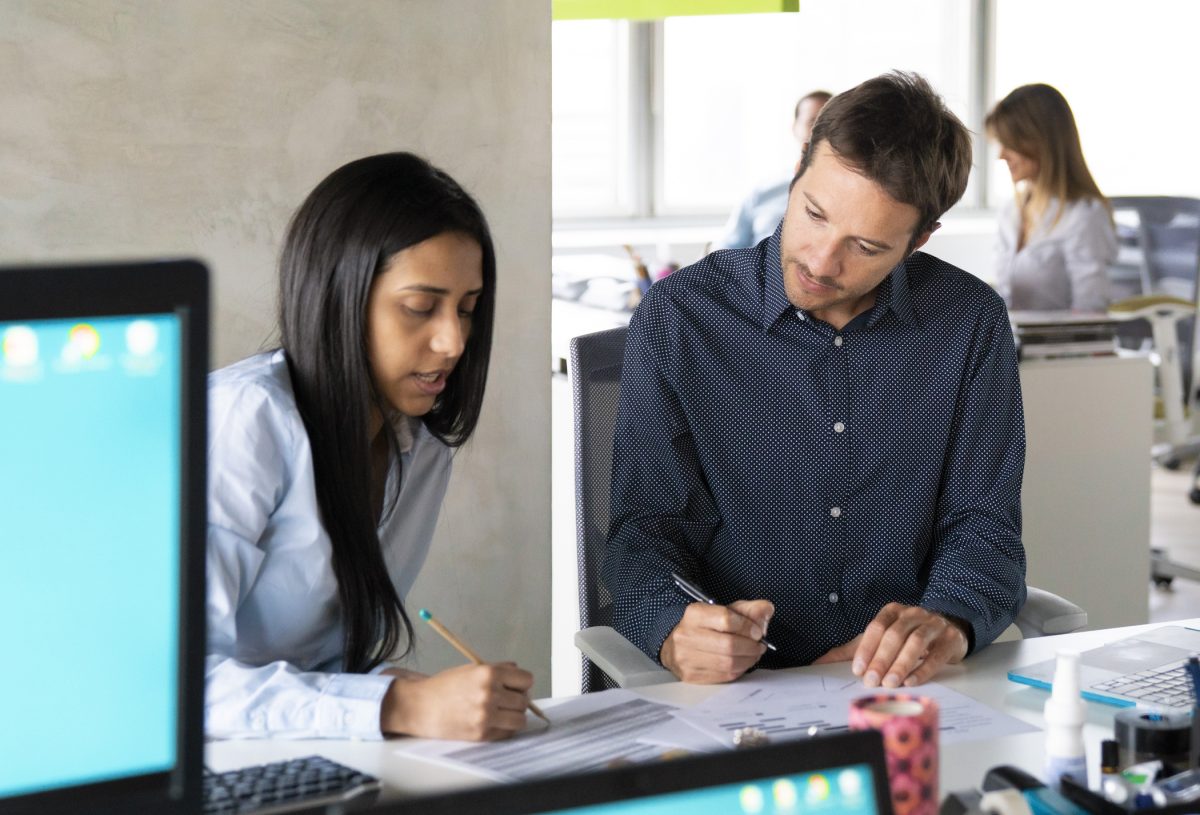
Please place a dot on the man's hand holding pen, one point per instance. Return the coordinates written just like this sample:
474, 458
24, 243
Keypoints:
714, 643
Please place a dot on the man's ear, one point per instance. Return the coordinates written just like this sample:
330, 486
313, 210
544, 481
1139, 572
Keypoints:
924, 237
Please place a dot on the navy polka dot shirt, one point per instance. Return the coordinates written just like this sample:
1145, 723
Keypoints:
763, 454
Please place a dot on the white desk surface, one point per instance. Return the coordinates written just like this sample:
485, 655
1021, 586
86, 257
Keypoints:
982, 677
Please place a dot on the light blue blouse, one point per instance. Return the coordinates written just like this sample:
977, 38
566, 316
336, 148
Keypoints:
274, 627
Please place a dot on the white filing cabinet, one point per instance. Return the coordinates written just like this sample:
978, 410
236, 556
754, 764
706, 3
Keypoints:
1086, 494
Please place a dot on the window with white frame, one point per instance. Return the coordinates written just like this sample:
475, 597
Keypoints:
730, 85
1127, 71
592, 168
684, 116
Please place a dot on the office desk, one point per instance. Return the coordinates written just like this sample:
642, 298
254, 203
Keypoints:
983, 677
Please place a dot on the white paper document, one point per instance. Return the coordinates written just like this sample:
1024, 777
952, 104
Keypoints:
586, 733
591, 732
787, 705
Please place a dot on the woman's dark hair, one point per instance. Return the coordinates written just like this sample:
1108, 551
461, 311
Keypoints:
340, 238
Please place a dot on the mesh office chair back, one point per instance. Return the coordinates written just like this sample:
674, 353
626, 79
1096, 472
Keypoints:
1159, 240
595, 370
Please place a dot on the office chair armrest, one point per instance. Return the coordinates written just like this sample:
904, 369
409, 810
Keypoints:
1149, 306
623, 661
1046, 613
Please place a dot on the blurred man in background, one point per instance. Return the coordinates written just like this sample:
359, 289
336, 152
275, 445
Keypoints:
762, 210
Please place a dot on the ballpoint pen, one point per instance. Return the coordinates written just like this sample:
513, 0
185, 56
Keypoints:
691, 590
466, 651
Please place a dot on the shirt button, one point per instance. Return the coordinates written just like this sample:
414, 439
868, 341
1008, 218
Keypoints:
837, 341
839, 427
835, 512
833, 597
800, 314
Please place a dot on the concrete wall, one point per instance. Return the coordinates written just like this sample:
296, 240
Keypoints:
195, 127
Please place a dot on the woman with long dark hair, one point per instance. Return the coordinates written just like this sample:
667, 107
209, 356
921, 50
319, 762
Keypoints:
1056, 239
329, 459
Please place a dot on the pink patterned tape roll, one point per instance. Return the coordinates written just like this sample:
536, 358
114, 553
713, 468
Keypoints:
909, 725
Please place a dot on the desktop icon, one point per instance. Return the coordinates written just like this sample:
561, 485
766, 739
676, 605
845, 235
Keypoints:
751, 799
83, 341
785, 794
850, 782
20, 346
141, 338
818, 789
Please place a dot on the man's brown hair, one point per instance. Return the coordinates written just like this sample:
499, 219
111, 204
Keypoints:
896, 131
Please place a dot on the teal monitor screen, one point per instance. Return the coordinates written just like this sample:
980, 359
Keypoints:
840, 791
90, 447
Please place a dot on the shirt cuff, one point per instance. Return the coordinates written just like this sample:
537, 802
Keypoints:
664, 623
949, 608
349, 706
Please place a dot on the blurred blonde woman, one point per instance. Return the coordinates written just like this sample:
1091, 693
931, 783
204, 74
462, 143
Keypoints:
1056, 238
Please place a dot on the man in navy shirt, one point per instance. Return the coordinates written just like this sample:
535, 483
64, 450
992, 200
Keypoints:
824, 432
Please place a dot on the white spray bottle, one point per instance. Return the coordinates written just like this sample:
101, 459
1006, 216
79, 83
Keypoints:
1065, 713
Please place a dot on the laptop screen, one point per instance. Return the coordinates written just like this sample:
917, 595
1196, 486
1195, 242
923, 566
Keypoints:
102, 485
838, 791
90, 526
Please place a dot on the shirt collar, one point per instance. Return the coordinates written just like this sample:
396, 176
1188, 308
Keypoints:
775, 301
893, 293
405, 427
901, 294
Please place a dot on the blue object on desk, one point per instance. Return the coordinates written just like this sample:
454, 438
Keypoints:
1193, 669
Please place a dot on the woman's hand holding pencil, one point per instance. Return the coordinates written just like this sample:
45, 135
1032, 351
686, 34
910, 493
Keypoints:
470, 702
466, 651
477, 702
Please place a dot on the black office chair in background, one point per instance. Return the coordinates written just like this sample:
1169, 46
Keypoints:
610, 659
595, 371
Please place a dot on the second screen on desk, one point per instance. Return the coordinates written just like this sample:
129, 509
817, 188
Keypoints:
89, 542
839, 791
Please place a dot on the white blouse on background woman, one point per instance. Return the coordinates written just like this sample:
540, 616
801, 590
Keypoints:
1063, 265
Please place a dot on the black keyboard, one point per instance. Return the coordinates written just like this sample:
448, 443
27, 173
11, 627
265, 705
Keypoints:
288, 786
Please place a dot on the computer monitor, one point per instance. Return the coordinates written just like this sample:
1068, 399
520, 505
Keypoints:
837, 774
102, 495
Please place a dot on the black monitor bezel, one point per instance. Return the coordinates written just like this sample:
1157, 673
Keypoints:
107, 289
821, 752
